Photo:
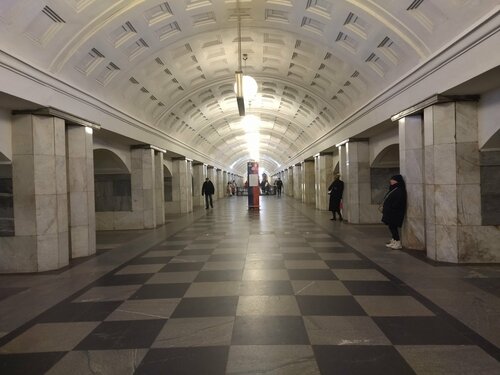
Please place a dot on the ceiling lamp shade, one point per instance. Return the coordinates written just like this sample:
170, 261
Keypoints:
245, 88
249, 87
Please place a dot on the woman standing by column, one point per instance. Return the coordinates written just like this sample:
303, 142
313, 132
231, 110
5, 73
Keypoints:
336, 189
394, 207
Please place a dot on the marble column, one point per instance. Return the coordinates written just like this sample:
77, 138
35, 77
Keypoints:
224, 183
290, 182
159, 188
323, 177
212, 174
199, 175
80, 162
308, 186
286, 177
219, 187
143, 186
411, 165
182, 191
297, 181
40, 197
452, 186
355, 172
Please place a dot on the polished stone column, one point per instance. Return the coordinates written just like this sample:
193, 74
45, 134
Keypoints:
159, 189
199, 175
355, 172
411, 164
224, 183
219, 186
40, 197
212, 174
297, 181
286, 182
80, 162
143, 186
182, 191
452, 187
323, 177
308, 192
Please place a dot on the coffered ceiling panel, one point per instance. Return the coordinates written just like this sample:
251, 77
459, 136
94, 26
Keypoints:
171, 64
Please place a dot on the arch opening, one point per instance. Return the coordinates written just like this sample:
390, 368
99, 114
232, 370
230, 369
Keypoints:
6, 200
113, 182
385, 165
489, 161
167, 184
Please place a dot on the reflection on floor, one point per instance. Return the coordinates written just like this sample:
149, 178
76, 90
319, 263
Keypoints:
282, 290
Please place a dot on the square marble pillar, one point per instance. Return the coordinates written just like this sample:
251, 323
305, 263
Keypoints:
40, 196
355, 172
143, 187
308, 186
411, 161
323, 176
344, 176
219, 187
159, 188
182, 187
297, 181
287, 185
212, 174
199, 175
224, 184
80, 161
452, 186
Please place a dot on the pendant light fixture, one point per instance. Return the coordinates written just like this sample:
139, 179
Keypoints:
245, 86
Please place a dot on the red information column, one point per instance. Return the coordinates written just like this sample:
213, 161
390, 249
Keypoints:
253, 185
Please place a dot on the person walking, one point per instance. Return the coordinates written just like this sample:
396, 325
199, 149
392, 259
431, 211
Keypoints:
336, 190
208, 190
393, 209
279, 185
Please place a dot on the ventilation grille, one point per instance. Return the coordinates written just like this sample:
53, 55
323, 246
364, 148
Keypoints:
44, 26
90, 61
276, 15
415, 4
158, 13
52, 15
168, 30
107, 74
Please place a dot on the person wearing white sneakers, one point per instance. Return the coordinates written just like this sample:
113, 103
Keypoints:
394, 207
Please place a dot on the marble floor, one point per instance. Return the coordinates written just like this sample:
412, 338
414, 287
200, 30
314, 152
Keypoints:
282, 290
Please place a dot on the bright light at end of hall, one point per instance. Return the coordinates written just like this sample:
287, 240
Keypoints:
250, 123
251, 126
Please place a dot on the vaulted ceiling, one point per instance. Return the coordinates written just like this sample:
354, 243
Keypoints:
171, 63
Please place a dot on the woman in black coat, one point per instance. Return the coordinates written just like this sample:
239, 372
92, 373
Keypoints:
394, 207
336, 189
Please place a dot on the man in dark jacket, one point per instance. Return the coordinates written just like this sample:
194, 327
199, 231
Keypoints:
394, 207
336, 190
208, 190
279, 185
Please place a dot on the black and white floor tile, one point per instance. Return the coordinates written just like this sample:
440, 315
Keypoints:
241, 292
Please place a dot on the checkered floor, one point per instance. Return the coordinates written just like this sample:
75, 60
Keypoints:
245, 292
